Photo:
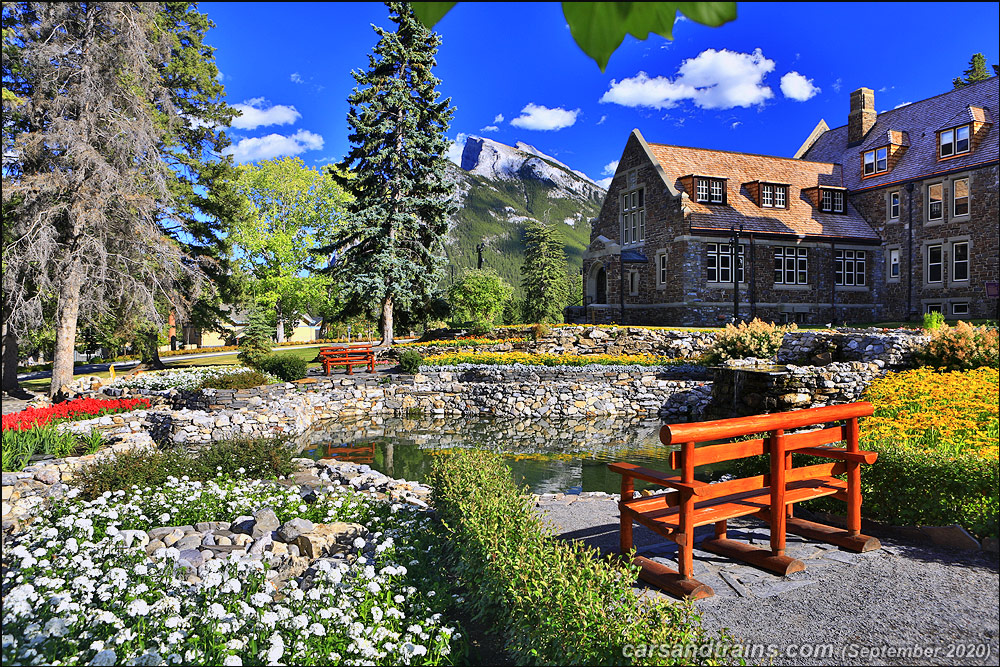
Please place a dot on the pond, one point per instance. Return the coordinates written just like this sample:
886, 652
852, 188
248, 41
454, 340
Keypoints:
548, 455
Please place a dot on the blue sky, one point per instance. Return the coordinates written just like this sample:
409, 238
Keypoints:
758, 84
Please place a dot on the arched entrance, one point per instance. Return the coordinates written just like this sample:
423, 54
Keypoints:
597, 287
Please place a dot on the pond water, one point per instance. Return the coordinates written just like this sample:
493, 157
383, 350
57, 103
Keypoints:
550, 456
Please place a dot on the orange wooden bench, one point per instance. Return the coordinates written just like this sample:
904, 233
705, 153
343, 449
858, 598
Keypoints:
769, 497
347, 356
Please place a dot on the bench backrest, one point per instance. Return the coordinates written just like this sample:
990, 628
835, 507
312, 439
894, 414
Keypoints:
779, 445
358, 349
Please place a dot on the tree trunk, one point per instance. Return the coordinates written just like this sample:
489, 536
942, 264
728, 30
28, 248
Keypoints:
10, 355
67, 313
386, 322
150, 353
280, 329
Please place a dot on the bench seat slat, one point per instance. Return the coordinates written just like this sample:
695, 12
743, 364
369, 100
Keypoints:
655, 510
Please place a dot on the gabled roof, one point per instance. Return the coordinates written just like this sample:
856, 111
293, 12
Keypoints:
921, 120
801, 218
878, 139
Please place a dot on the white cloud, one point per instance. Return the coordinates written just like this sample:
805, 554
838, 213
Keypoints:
837, 84
253, 149
489, 128
610, 168
797, 87
297, 78
604, 182
711, 80
455, 149
257, 112
498, 119
538, 117
603, 118
735, 125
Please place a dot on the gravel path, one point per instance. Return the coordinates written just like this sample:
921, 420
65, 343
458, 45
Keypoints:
877, 608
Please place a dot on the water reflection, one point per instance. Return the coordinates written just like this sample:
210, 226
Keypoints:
546, 454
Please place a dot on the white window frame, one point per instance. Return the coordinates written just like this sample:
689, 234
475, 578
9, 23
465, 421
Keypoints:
633, 216
633, 282
831, 201
780, 196
939, 201
955, 262
955, 197
959, 307
850, 268
894, 204
893, 255
794, 263
766, 195
935, 307
939, 263
879, 161
719, 259
701, 190
952, 144
662, 268
717, 191
838, 201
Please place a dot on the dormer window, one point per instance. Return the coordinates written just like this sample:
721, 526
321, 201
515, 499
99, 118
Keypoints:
773, 195
954, 141
710, 190
876, 161
831, 201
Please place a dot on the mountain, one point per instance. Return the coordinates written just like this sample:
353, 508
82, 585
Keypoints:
500, 188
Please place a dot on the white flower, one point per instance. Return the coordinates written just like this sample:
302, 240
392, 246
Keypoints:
137, 608
56, 627
105, 657
274, 653
318, 629
232, 661
376, 614
216, 610
164, 518
359, 542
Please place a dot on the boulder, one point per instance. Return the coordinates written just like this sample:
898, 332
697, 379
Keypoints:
328, 539
292, 529
265, 521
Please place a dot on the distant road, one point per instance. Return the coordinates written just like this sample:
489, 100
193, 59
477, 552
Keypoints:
94, 368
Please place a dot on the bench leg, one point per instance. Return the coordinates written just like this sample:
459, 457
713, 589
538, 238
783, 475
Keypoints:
720, 529
838, 536
669, 580
625, 529
762, 558
350, 369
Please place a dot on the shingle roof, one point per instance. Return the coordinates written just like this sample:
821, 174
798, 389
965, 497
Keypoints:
920, 120
801, 218
879, 139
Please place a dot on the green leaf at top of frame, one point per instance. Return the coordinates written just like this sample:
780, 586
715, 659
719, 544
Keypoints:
600, 27
429, 13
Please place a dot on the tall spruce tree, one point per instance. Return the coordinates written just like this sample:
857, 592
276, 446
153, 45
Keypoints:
389, 251
544, 273
113, 182
976, 71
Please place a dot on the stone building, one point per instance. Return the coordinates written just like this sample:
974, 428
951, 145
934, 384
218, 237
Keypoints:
885, 218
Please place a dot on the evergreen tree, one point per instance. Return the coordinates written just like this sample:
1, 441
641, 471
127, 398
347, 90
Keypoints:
543, 275
390, 249
255, 342
975, 72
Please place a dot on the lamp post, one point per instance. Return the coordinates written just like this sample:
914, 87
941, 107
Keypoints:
734, 247
479, 252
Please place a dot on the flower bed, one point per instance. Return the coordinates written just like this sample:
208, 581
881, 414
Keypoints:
180, 378
464, 341
74, 593
81, 408
527, 359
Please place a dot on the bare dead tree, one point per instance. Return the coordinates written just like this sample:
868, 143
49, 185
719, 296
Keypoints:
85, 185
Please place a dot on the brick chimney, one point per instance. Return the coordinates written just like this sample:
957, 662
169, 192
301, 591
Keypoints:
862, 115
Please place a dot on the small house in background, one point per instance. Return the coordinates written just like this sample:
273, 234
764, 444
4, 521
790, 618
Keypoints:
885, 218
306, 330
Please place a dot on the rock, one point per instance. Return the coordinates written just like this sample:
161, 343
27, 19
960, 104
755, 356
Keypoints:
190, 541
265, 521
328, 539
137, 538
153, 546
193, 557
242, 524
952, 537
223, 541
171, 538
9, 478
260, 544
292, 529
48, 475
990, 545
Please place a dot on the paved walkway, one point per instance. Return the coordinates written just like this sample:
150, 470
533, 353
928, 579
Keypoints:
858, 608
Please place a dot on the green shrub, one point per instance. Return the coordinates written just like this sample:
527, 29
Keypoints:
286, 367
410, 361
758, 339
933, 320
553, 601
260, 458
247, 379
20, 446
962, 347
478, 298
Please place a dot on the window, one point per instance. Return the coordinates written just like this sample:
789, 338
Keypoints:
960, 260
894, 263
791, 266
849, 267
961, 308
876, 161
960, 196
711, 190
720, 262
832, 201
773, 196
954, 141
633, 283
663, 269
934, 308
634, 217
935, 206
934, 264
894, 206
